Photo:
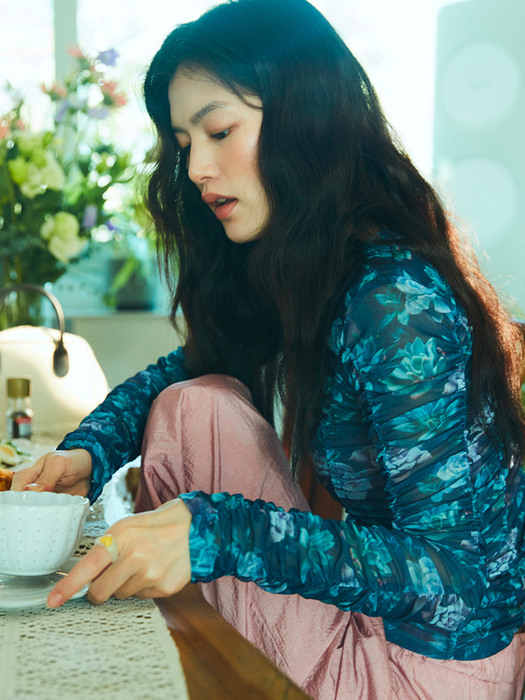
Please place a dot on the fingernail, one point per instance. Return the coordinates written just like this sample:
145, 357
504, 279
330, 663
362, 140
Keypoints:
54, 600
34, 487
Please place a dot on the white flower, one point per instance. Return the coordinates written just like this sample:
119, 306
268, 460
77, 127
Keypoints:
29, 143
39, 179
32, 185
53, 173
61, 233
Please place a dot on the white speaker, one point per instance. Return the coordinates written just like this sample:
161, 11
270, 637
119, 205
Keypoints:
479, 130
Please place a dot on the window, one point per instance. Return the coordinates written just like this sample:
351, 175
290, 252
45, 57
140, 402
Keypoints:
26, 50
395, 42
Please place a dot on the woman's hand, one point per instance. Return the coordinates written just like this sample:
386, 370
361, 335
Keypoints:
64, 471
153, 559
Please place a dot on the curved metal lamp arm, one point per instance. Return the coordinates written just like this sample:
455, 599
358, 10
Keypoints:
60, 356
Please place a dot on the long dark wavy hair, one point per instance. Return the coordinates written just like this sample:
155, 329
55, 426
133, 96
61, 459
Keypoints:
334, 174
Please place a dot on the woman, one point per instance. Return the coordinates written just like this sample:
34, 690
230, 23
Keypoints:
316, 264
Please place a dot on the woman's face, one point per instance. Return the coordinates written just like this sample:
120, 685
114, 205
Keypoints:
220, 133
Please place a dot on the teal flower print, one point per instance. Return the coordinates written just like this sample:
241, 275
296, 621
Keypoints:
335, 341
369, 275
507, 556
250, 566
281, 524
442, 299
392, 301
456, 467
400, 254
419, 361
377, 556
451, 615
426, 421
366, 351
417, 298
424, 575
347, 574
455, 382
318, 542
320, 539
405, 460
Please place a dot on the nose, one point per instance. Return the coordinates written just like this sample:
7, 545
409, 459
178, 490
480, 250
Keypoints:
201, 164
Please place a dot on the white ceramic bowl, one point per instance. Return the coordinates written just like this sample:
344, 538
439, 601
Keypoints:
38, 531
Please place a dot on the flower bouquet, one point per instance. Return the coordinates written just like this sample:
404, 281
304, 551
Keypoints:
57, 186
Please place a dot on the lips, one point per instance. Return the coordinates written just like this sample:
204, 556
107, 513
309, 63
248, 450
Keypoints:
221, 205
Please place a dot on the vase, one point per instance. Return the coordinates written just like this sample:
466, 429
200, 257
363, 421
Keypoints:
22, 308
137, 293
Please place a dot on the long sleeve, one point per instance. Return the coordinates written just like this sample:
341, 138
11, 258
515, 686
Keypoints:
113, 432
396, 447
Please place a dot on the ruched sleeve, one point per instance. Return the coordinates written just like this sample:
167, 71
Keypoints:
398, 400
113, 432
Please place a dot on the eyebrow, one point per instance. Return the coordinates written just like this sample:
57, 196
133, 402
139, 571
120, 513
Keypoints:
202, 112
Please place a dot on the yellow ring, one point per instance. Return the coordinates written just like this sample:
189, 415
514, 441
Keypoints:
108, 542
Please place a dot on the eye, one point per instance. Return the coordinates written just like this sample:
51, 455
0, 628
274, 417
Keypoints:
220, 135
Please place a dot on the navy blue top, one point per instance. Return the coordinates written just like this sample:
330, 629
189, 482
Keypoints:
433, 540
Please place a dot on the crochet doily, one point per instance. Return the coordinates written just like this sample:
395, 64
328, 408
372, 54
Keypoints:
119, 650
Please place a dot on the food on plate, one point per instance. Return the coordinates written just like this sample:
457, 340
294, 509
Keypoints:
8, 454
11, 454
6, 477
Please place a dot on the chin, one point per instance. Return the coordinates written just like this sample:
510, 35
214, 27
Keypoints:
242, 236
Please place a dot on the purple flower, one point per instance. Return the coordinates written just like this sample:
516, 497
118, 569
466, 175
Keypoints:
108, 57
90, 216
62, 110
98, 112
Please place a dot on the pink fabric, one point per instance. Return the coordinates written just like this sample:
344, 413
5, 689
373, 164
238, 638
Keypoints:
205, 434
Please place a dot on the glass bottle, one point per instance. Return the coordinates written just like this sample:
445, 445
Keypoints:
19, 413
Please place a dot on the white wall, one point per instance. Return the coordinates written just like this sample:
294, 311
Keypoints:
124, 343
480, 132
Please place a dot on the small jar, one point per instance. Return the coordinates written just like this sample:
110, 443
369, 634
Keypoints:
19, 413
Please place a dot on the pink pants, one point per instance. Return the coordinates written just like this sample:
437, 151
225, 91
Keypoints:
205, 434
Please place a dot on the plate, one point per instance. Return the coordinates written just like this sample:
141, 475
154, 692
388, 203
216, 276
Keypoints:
18, 592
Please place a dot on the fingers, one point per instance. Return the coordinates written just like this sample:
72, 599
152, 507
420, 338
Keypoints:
152, 559
66, 471
89, 567
125, 577
26, 476
37, 487
152, 579
122, 580
112, 579
43, 475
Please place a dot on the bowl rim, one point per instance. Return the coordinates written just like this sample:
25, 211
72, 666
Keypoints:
28, 499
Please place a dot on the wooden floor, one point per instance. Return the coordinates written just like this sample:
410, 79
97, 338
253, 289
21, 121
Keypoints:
218, 662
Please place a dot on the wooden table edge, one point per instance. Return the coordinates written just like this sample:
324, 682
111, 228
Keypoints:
218, 662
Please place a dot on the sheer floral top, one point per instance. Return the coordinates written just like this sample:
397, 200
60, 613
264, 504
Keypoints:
433, 541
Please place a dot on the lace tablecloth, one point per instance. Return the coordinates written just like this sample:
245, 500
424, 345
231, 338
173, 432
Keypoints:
119, 650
